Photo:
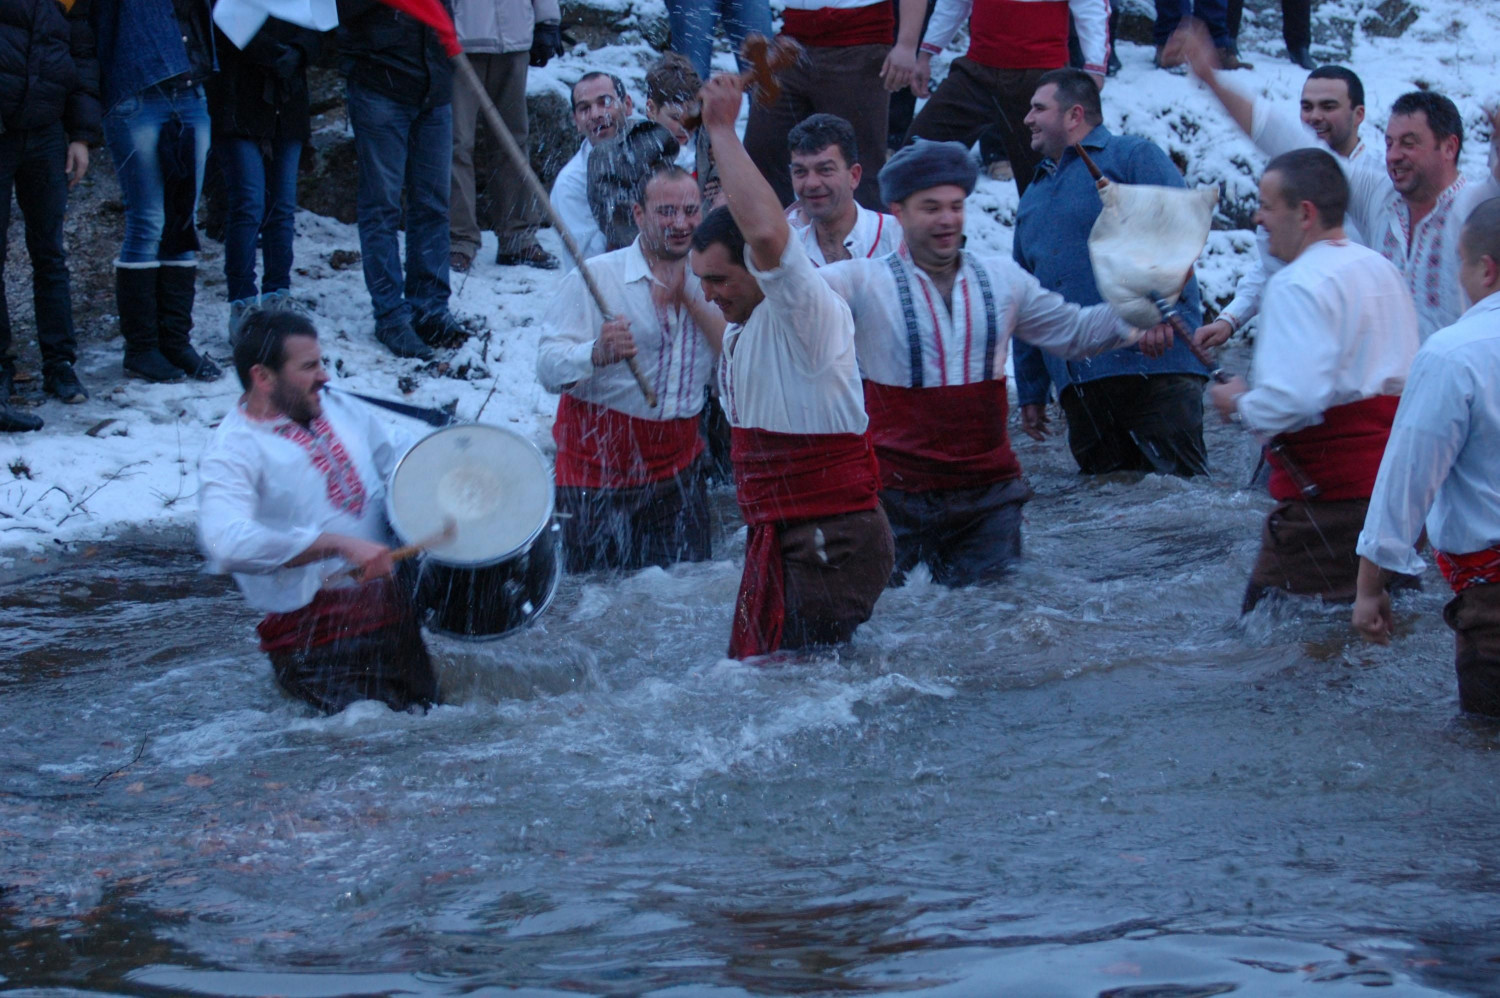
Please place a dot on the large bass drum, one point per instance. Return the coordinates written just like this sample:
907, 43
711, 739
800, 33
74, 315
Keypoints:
500, 569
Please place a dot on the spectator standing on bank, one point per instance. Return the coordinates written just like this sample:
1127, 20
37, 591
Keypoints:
258, 102
502, 38
695, 22
154, 58
49, 113
401, 106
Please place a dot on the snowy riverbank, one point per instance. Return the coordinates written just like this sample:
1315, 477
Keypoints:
127, 458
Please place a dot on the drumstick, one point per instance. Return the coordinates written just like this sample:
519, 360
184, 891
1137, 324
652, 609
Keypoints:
533, 186
449, 531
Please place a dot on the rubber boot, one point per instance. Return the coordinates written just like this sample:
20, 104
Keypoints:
175, 288
135, 297
13, 420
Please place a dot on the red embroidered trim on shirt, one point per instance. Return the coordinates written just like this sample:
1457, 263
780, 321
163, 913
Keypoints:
346, 492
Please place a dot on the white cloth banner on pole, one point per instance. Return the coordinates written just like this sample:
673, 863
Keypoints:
241, 19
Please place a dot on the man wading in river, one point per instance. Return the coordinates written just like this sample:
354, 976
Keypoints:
291, 501
1441, 465
819, 550
931, 326
1338, 334
630, 478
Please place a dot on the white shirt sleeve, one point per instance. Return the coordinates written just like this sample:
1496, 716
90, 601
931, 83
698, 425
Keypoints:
1295, 367
1247, 293
571, 324
570, 196
809, 310
1048, 320
947, 17
1091, 21
1431, 426
231, 537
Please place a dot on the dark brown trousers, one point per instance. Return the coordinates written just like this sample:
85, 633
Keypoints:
974, 98
835, 569
841, 80
1307, 549
1474, 615
390, 665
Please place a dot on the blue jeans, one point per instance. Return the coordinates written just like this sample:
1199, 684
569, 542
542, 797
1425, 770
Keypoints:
159, 200
262, 195
694, 23
1213, 13
31, 163
402, 147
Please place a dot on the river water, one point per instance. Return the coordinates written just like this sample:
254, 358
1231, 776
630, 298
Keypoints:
1093, 779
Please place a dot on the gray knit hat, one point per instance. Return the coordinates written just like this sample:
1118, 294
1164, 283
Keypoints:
925, 164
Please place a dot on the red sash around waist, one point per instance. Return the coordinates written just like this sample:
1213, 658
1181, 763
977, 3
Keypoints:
1477, 568
780, 478
1341, 455
930, 439
333, 614
838, 27
1019, 34
603, 448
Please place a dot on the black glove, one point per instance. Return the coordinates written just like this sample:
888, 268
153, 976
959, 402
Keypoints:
546, 42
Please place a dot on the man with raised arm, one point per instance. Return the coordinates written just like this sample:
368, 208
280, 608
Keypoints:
291, 501
931, 328
1333, 106
819, 550
825, 172
1440, 467
630, 479
1126, 410
1338, 334
1410, 212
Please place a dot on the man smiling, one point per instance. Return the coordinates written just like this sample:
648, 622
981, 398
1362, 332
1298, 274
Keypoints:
600, 109
825, 173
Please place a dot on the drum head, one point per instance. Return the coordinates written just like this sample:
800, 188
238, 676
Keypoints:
494, 483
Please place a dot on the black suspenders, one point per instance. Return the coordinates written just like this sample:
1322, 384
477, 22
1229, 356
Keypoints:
914, 339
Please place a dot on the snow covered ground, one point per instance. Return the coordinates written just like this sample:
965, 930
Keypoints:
128, 457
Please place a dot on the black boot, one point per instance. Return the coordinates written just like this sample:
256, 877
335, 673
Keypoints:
13, 420
135, 297
175, 287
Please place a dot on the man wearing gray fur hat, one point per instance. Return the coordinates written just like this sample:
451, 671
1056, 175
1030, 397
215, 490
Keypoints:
931, 326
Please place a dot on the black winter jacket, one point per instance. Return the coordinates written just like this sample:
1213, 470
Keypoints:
394, 54
49, 70
261, 93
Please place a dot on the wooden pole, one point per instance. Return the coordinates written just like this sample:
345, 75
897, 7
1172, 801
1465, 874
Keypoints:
535, 189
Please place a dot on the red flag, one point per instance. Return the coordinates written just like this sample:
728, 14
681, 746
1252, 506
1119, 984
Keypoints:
435, 16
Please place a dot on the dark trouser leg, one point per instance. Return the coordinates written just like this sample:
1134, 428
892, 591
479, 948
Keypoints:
382, 129
390, 665
1137, 423
834, 570
517, 213
1307, 549
429, 165
1296, 24
966, 536
280, 227
244, 171
42, 193
1474, 615
11, 148
765, 132
976, 100
628, 529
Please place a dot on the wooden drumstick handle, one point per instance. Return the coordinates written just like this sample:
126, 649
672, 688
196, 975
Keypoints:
400, 554
534, 187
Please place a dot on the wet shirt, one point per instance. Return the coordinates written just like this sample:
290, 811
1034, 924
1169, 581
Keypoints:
874, 234
268, 488
570, 196
791, 368
1337, 326
672, 352
1426, 254
954, 343
1441, 463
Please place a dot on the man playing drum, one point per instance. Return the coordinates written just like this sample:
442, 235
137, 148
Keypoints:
291, 501
819, 550
1338, 334
631, 481
931, 327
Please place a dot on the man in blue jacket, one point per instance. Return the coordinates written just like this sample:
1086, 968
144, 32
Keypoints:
1125, 411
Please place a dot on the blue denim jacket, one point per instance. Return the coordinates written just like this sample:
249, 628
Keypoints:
1052, 232
140, 44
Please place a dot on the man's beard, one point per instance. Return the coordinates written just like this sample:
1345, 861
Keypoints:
293, 404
